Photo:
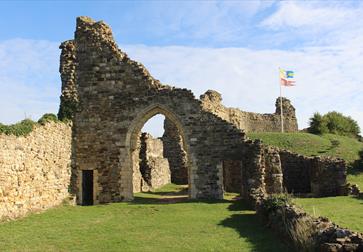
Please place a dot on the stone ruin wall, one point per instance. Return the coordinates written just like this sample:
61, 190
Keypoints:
174, 152
116, 96
318, 176
153, 167
305, 232
248, 121
34, 170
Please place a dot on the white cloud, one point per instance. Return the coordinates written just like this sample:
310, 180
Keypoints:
29, 79
303, 23
329, 78
308, 14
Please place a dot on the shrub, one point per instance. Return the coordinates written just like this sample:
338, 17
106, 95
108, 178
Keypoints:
334, 123
19, 129
318, 124
47, 118
276, 201
26, 126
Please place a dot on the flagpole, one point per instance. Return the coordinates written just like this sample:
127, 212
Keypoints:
281, 113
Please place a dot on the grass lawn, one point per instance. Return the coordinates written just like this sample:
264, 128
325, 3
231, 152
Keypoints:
160, 221
345, 211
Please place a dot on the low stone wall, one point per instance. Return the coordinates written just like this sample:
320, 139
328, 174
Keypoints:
34, 170
305, 232
154, 167
248, 121
320, 176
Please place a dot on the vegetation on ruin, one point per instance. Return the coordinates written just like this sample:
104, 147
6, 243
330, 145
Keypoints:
48, 118
158, 221
345, 211
334, 123
26, 126
275, 201
22, 128
347, 148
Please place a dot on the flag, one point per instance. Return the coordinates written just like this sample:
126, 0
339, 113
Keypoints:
287, 83
289, 74
287, 78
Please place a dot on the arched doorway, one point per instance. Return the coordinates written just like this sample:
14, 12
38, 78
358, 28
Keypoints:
136, 139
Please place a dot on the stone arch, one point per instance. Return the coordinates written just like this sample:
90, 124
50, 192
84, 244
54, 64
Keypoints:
133, 135
115, 97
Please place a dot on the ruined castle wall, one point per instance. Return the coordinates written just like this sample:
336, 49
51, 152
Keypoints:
320, 176
232, 176
154, 167
116, 97
248, 121
34, 170
296, 169
174, 152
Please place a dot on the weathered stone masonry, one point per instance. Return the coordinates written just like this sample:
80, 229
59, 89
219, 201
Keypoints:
34, 170
174, 152
318, 176
154, 168
248, 121
115, 96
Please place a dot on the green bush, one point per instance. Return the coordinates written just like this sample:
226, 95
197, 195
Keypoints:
47, 118
275, 201
19, 129
334, 123
26, 126
318, 124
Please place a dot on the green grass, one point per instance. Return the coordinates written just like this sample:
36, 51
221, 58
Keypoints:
349, 149
346, 211
159, 221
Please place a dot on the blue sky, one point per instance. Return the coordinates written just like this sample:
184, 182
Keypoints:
234, 47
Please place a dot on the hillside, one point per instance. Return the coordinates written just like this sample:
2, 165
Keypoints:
349, 149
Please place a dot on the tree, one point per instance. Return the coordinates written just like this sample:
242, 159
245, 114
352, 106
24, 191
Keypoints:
334, 123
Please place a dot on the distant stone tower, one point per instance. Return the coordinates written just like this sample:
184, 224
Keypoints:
249, 121
290, 121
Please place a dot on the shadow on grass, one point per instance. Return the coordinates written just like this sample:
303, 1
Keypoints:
357, 166
244, 221
172, 196
182, 191
248, 225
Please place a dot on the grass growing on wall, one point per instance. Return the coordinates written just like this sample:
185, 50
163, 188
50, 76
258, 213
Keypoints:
26, 126
149, 223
